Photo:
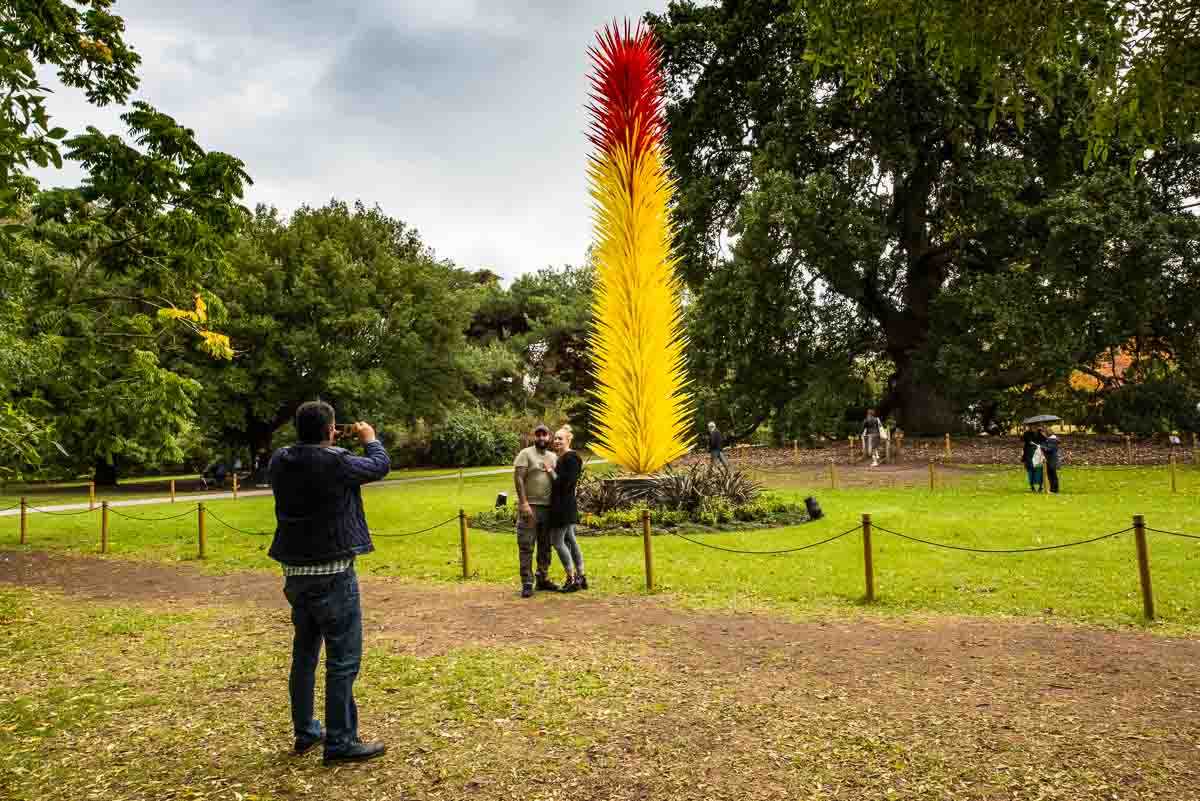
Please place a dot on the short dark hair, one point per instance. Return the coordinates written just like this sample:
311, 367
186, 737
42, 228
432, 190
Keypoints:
313, 420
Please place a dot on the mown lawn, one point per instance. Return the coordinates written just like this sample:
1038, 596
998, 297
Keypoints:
1095, 583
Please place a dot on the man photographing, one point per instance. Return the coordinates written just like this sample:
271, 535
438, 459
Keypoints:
320, 529
531, 474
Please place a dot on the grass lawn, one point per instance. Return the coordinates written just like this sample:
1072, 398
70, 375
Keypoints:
1096, 583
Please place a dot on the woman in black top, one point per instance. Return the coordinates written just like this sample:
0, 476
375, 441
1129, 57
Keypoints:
564, 511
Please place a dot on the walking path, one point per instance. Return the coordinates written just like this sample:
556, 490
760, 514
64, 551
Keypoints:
251, 493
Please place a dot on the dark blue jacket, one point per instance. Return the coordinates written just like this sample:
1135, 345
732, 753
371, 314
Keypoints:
318, 506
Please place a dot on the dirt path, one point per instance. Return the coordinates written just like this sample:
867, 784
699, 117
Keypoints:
718, 706
987, 661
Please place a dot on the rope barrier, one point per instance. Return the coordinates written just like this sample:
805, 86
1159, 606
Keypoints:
10, 508
422, 531
62, 514
767, 553
208, 511
1174, 533
118, 513
1001, 550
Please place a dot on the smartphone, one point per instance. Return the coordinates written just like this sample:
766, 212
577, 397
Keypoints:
343, 431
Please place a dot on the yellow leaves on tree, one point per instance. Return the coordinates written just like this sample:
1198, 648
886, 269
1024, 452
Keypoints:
216, 345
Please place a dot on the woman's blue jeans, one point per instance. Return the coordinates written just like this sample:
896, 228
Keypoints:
325, 609
568, 549
1035, 476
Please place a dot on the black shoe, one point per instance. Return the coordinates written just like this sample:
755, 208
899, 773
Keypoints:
303, 746
582, 581
546, 584
571, 585
526, 590
357, 752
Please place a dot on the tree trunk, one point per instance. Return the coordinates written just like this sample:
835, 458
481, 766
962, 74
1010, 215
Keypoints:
105, 474
918, 406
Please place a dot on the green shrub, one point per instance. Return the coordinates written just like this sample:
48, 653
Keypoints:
471, 437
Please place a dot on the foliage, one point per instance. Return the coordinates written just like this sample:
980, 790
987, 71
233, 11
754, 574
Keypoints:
85, 47
712, 513
471, 437
528, 342
688, 489
340, 303
145, 230
1142, 57
642, 409
1155, 405
901, 225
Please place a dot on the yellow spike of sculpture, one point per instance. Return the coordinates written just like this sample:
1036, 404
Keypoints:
643, 412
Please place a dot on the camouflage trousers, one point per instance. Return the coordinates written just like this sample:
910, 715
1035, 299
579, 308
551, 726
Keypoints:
530, 535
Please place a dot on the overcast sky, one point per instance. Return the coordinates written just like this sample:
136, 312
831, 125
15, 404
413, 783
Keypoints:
464, 118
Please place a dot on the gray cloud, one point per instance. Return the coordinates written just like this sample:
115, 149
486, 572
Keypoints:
465, 118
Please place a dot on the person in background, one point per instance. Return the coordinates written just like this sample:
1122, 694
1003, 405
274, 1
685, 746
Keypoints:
1050, 451
564, 510
1031, 440
320, 530
871, 427
716, 451
531, 474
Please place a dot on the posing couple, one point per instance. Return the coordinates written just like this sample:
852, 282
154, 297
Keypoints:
546, 476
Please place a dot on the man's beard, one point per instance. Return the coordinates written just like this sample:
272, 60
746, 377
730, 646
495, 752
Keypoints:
541, 446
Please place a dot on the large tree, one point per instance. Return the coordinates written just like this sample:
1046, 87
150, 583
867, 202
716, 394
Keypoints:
342, 303
119, 268
976, 249
1141, 57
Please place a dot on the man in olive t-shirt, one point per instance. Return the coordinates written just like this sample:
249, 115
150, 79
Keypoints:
532, 469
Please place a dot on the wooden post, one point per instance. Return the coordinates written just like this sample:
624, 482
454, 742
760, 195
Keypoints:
172, 490
1174, 487
235, 487
200, 529
931, 476
104, 527
1195, 450
1128, 450
796, 451
649, 554
1139, 533
947, 444
832, 474
850, 440
868, 563
91, 496
462, 533
24, 522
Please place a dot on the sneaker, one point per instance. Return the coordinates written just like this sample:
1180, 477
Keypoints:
358, 751
526, 590
546, 584
582, 583
306, 744
570, 586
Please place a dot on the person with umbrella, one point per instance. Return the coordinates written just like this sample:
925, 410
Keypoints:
1032, 455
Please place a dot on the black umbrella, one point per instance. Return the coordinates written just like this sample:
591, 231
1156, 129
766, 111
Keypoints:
1041, 418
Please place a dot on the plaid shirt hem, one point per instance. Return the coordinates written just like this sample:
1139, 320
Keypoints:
321, 569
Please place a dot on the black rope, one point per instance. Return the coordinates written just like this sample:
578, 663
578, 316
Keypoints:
152, 519
10, 508
373, 534
1001, 550
63, 514
411, 533
767, 553
235, 528
1174, 533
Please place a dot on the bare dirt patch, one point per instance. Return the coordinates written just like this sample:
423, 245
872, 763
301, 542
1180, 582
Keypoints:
975, 660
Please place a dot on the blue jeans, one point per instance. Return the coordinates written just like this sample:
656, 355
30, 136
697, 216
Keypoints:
568, 549
325, 609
